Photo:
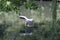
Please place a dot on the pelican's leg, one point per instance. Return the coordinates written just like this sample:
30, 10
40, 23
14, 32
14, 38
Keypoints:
25, 24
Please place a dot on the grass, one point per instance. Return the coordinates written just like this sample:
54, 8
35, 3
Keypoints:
13, 24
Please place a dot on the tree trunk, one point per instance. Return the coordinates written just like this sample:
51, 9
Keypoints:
54, 15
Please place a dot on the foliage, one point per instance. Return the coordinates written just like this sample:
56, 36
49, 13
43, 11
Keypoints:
9, 5
31, 5
18, 2
11, 25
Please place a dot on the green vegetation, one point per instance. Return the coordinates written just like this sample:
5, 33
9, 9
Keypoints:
46, 19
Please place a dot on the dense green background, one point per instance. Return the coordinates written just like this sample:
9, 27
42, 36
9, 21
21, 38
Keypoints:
45, 14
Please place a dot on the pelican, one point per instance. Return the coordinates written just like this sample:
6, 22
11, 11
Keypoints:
28, 22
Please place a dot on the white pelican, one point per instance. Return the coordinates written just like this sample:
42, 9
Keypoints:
28, 22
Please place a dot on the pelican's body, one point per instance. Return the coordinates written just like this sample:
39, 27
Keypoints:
28, 22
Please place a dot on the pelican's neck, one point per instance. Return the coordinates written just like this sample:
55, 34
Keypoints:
26, 18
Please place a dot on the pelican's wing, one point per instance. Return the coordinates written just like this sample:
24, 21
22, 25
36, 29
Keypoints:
23, 17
